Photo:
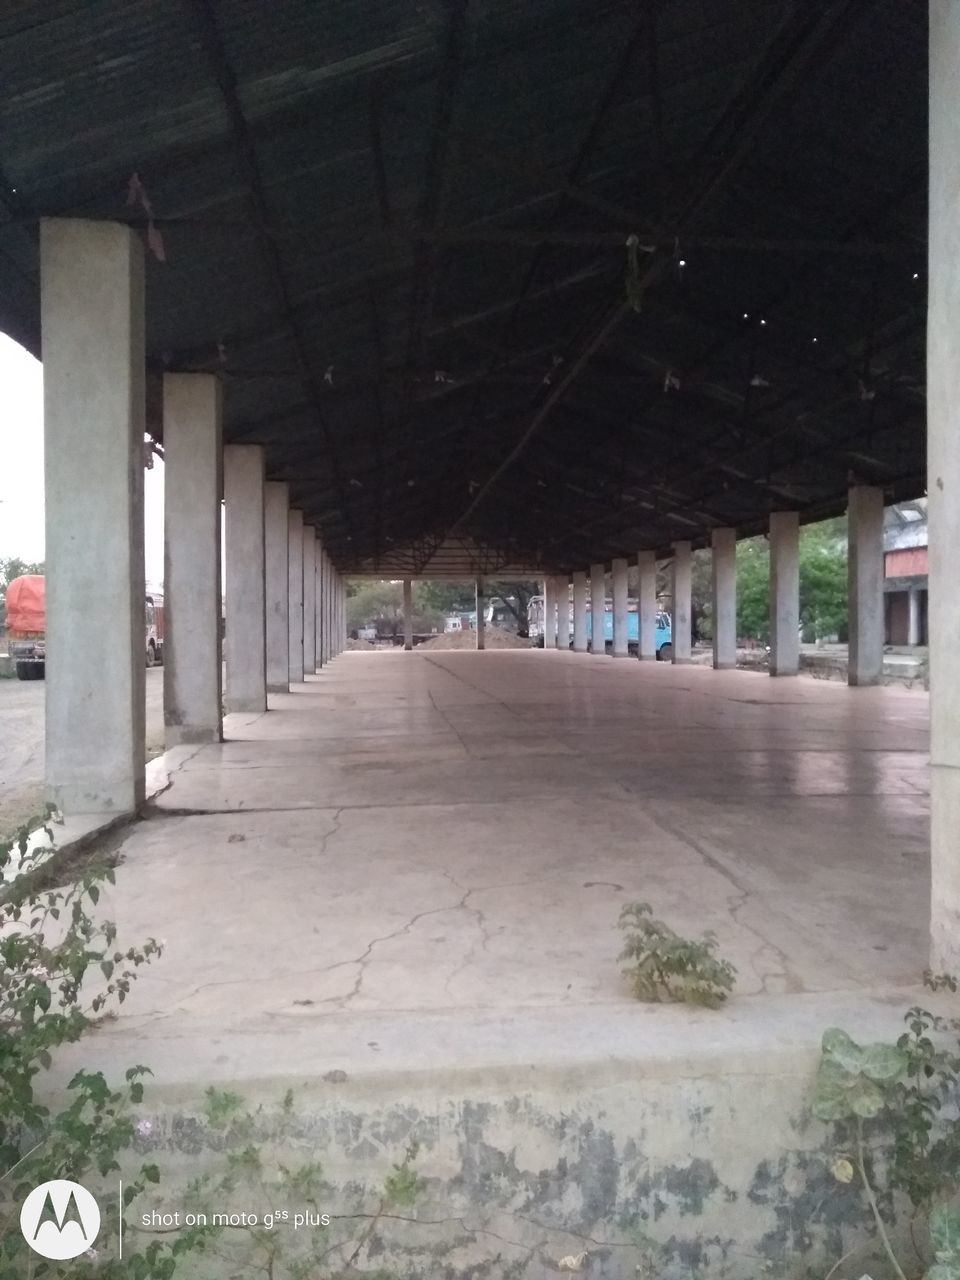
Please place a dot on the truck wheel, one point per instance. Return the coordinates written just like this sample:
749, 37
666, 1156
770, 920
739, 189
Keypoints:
665, 653
151, 655
29, 670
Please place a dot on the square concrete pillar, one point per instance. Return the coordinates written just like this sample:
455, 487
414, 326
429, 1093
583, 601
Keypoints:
943, 472
245, 638
277, 544
407, 615
784, 593
91, 307
865, 584
327, 609
321, 604
580, 611
598, 609
318, 597
647, 605
309, 601
621, 600
913, 622
682, 586
340, 630
724, 544
193, 484
549, 614
481, 614
563, 614
295, 588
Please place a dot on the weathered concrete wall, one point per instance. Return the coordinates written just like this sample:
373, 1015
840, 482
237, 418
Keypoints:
689, 1173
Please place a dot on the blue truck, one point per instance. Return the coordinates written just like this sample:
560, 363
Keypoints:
663, 635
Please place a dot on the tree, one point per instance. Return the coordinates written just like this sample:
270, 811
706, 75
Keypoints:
16, 568
380, 603
823, 581
516, 596
432, 596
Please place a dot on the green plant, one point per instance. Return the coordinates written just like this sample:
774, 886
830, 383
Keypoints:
52, 950
909, 1090
665, 966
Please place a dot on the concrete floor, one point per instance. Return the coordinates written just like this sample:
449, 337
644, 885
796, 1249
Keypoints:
459, 831
396, 894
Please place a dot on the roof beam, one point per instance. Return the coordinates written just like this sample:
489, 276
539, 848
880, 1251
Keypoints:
249, 166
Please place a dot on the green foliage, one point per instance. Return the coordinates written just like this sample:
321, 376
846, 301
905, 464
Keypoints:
910, 1090
823, 581
53, 954
14, 567
663, 966
402, 1187
753, 589
263, 1195
377, 602
945, 1242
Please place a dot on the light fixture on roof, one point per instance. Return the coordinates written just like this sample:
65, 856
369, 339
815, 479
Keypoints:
683, 262
762, 321
916, 275
746, 316
814, 339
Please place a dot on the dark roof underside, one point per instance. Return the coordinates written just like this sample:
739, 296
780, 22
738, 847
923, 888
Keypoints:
398, 229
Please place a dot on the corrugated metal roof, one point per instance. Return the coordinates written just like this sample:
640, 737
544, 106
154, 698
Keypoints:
321, 170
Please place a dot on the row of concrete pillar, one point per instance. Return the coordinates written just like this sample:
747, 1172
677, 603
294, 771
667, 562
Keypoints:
284, 597
865, 568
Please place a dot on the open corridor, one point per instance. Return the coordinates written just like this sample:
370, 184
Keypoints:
459, 831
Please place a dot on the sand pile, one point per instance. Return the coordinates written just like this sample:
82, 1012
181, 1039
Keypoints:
496, 638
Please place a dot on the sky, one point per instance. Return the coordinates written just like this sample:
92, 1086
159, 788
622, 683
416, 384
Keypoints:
21, 466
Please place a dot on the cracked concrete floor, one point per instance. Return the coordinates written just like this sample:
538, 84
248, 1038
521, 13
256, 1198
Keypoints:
458, 831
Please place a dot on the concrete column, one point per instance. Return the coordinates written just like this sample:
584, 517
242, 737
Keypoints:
295, 590
309, 601
193, 483
563, 614
91, 306
913, 622
407, 615
682, 583
580, 611
784, 593
549, 613
323, 608
598, 606
943, 470
276, 497
865, 584
481, 610
621, 597
318, 594
724, 543
647, 605
245, 640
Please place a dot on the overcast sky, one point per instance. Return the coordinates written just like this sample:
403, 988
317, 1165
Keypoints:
21, 466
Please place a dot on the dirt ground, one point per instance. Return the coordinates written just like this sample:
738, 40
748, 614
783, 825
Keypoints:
21, 745
496, 638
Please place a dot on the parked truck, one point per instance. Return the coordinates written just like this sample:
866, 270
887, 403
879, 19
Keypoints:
26, 626
663, 634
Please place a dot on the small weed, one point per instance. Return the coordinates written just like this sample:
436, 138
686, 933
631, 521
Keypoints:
663, 966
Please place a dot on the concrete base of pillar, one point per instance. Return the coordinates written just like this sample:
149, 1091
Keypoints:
724, 666
647, 657
945, 869
188, 736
